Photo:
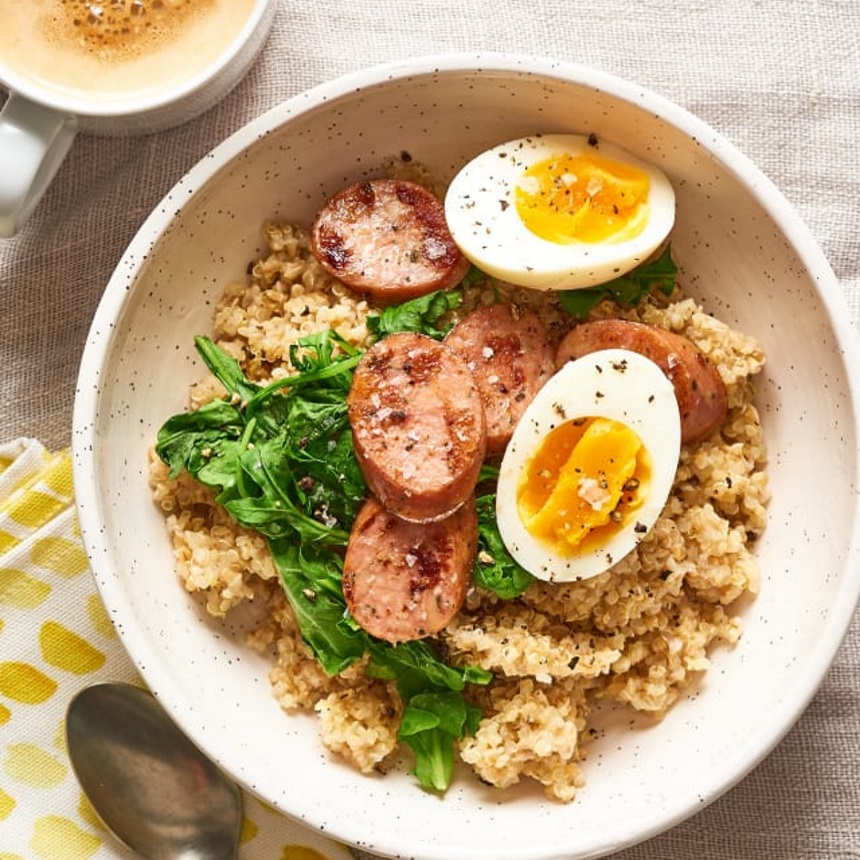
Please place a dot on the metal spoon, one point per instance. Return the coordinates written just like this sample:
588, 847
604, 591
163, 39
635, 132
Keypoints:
154, 790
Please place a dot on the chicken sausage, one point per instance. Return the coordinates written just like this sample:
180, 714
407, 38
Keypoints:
699, 389
403, 580
418, 426
389, 239
510, 355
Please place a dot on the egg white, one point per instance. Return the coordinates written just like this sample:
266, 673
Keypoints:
617, 384
483, 219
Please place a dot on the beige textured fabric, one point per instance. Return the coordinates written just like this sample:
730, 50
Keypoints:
780, 78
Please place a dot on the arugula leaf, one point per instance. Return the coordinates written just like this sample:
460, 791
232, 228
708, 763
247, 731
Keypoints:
430, 725
275, 520
328, 477
417, 315
495, 568
226, 369
416, 667
311, 581
183, 439
320, 369
272, 501
627, 290
314, 356
436, 713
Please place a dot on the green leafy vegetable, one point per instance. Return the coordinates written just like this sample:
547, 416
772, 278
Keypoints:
495, 568
333, 484
202, 439
226, 369
311, 581
435, 713
279, 456
419, 315
627, 290
430, 725
415, 666
281, 461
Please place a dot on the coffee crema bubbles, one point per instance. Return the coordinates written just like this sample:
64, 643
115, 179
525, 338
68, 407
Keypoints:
126, 26
117, 50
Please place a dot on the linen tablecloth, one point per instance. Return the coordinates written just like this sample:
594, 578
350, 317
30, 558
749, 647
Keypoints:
779, 78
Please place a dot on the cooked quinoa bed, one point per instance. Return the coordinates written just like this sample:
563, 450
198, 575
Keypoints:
639, 634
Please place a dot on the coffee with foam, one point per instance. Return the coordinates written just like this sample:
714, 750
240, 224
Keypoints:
115, 50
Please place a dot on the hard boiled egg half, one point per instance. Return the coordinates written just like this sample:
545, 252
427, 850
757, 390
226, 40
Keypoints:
559, 211
590, 466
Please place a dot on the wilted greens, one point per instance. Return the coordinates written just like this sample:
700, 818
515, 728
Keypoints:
279, 457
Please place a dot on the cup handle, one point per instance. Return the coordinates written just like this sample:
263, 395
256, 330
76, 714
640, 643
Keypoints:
34, 141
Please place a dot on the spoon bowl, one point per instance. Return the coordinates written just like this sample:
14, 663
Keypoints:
154, 790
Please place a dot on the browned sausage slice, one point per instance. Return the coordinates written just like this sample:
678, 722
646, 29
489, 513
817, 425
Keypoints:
404, 580
418, 426
388, 238
509, 353
699, 389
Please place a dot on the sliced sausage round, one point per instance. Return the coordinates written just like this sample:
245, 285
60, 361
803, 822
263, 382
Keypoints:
699, 389
388, 238
403, 580
418, 426
510, 355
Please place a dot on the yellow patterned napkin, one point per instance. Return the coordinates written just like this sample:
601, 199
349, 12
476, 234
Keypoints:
55, 638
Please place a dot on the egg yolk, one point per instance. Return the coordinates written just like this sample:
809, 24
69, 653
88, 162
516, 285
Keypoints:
583, 198
583, 484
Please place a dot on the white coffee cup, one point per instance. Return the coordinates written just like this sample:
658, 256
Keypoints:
144, 90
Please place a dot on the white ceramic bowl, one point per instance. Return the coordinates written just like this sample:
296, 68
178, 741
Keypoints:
741, 247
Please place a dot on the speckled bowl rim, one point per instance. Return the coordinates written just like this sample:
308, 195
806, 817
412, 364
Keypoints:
773, 202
